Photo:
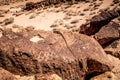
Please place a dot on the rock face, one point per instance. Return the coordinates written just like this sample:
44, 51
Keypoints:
108, 33
98, 21
71, 56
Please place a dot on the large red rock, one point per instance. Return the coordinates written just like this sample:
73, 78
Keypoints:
69, 55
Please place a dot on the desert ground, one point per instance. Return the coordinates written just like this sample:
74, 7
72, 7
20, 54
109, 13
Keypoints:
59, 40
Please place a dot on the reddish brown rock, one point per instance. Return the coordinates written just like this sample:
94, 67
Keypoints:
108, 33
69, 55
98, 21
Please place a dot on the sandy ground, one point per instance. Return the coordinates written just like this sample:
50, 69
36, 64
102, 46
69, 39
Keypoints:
64, 16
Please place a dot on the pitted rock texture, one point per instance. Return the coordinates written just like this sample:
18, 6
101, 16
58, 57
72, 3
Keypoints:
71, 56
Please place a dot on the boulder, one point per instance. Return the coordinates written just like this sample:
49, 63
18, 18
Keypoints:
98, 21
108, 33
69, 55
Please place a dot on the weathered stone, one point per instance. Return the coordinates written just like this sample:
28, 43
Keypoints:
29, 6
5, 75
72, 56
105, 76
114, 49
108, 33
98, 21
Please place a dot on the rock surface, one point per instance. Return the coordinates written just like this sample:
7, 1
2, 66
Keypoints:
105, 76
98, 21
108, 33
114, 49
67, 54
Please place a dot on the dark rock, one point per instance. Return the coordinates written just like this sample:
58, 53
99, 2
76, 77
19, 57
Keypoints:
116, 1
108, 33
30, 6
98, 21
71, 56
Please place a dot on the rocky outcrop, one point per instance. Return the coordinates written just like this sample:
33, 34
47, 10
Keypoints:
71, 56
99, 21
108, 33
